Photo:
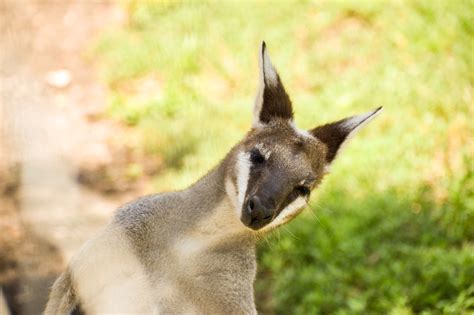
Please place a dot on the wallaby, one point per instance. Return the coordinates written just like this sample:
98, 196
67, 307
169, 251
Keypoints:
193, 251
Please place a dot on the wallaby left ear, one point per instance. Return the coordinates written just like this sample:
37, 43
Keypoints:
272, 101
336, 133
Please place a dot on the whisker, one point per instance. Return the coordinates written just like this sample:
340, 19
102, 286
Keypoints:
291, 233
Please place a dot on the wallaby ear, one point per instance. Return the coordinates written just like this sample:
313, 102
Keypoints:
272, 101
336, 133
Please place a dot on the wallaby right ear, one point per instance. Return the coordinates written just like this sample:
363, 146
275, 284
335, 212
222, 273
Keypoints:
272, 101
336, 133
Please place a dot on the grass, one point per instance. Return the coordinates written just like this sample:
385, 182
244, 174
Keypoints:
391, 230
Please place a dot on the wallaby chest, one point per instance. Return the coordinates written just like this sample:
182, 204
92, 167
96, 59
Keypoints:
197, 261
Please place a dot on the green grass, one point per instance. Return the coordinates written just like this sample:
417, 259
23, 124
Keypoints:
391, 230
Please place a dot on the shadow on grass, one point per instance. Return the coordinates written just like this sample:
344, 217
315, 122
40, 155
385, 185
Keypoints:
389, 252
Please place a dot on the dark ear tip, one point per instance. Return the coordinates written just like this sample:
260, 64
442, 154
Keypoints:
264, 46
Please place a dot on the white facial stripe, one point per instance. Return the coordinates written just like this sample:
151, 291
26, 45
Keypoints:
243, 172
232, 193
286, 213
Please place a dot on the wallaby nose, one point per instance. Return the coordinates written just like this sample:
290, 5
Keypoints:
258, 214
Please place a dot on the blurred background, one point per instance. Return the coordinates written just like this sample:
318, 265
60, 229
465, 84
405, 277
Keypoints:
104, 101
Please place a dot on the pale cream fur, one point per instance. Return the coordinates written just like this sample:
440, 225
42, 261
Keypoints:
118, 283
286, 214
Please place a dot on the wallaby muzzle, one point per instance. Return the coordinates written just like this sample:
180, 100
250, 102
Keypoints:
256, 213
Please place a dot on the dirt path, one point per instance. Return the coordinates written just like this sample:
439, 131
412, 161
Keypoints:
48, 95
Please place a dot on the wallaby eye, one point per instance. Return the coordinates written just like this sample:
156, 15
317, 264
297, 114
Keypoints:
303, 190
256, 157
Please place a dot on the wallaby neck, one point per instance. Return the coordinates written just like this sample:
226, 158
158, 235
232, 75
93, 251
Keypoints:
219, 218
210, 187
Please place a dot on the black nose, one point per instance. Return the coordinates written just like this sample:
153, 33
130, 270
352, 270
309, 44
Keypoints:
256, 213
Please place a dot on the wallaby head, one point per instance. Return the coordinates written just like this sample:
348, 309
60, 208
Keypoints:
276, 166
